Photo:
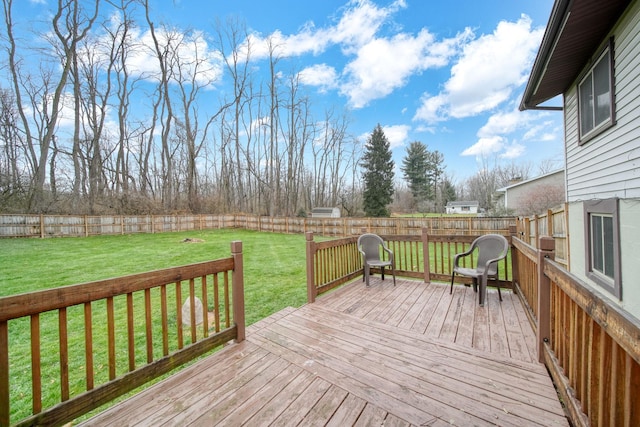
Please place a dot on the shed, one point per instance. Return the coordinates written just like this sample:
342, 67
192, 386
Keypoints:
325, 212
462, 207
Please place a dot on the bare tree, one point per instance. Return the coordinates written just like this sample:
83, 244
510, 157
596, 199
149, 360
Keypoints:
236, 51
71, 23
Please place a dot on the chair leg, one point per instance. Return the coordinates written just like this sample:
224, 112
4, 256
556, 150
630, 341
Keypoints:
451, 288
483, 291
366, 274
382, 272
499, 294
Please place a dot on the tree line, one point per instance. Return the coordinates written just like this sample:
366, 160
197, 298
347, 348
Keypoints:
105, 110
85, 127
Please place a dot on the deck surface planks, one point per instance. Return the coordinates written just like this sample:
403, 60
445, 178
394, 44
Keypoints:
408, 355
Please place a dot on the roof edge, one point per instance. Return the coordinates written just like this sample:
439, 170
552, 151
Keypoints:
557, 19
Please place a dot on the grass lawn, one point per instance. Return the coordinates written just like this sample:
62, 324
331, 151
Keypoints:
274, 278
275, 275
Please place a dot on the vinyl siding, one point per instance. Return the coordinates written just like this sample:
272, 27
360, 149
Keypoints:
609, 164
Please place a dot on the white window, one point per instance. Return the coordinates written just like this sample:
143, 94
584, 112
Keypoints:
603, 253
602, 244
595, 96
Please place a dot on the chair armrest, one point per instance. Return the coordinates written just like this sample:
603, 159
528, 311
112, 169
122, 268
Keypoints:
491, 261
389, 252
462, 254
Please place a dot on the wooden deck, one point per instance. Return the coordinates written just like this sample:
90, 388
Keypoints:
409, 355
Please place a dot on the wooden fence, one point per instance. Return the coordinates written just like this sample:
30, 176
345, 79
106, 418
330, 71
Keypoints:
85, 225
112, 336
553, 223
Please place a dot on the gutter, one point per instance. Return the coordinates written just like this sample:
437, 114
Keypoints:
559, 16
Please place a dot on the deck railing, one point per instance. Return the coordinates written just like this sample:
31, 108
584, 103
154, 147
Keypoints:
81, 346
590, 346
425, 256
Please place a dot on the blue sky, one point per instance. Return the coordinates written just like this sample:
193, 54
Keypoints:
447, 73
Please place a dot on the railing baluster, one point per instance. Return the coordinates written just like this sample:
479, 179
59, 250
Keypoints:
111, 338
227, 307
88, 345
4, 373
192, 310
179, 314
216, 302
148, 324
64, 354
130, 333
36, 373
164, 320
205, 307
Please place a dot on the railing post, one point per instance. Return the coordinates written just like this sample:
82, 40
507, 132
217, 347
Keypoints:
425, 255
312, 292
515, 273
546, 249
237, 277
4, 374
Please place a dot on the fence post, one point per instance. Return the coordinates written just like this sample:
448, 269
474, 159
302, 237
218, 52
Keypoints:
425, 255
546, 249
312, 292
515, 273
237, 277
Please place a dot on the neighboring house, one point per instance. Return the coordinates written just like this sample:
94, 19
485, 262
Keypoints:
462, 207
589, 55
325, 213
532, 196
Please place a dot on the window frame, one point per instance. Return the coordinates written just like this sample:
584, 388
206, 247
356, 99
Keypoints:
611, 121
609, 208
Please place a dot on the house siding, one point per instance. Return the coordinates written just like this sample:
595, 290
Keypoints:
629, 250
518, 197
609, 164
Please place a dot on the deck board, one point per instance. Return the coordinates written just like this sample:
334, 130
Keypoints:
408, 355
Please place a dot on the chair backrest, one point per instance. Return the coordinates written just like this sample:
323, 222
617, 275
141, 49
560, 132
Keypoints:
491, 246
370, 244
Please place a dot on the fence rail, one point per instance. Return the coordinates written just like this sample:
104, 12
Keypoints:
84, 345
43, 226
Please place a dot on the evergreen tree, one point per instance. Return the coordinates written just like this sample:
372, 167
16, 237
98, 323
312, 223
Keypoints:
448, 192
378, 174
415, 167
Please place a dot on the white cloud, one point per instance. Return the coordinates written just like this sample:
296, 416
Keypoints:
504, 123
385, 64
521, 127
376, 65
360, 21
513, 151
487, 73
396, 134
485, 146
321, 75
